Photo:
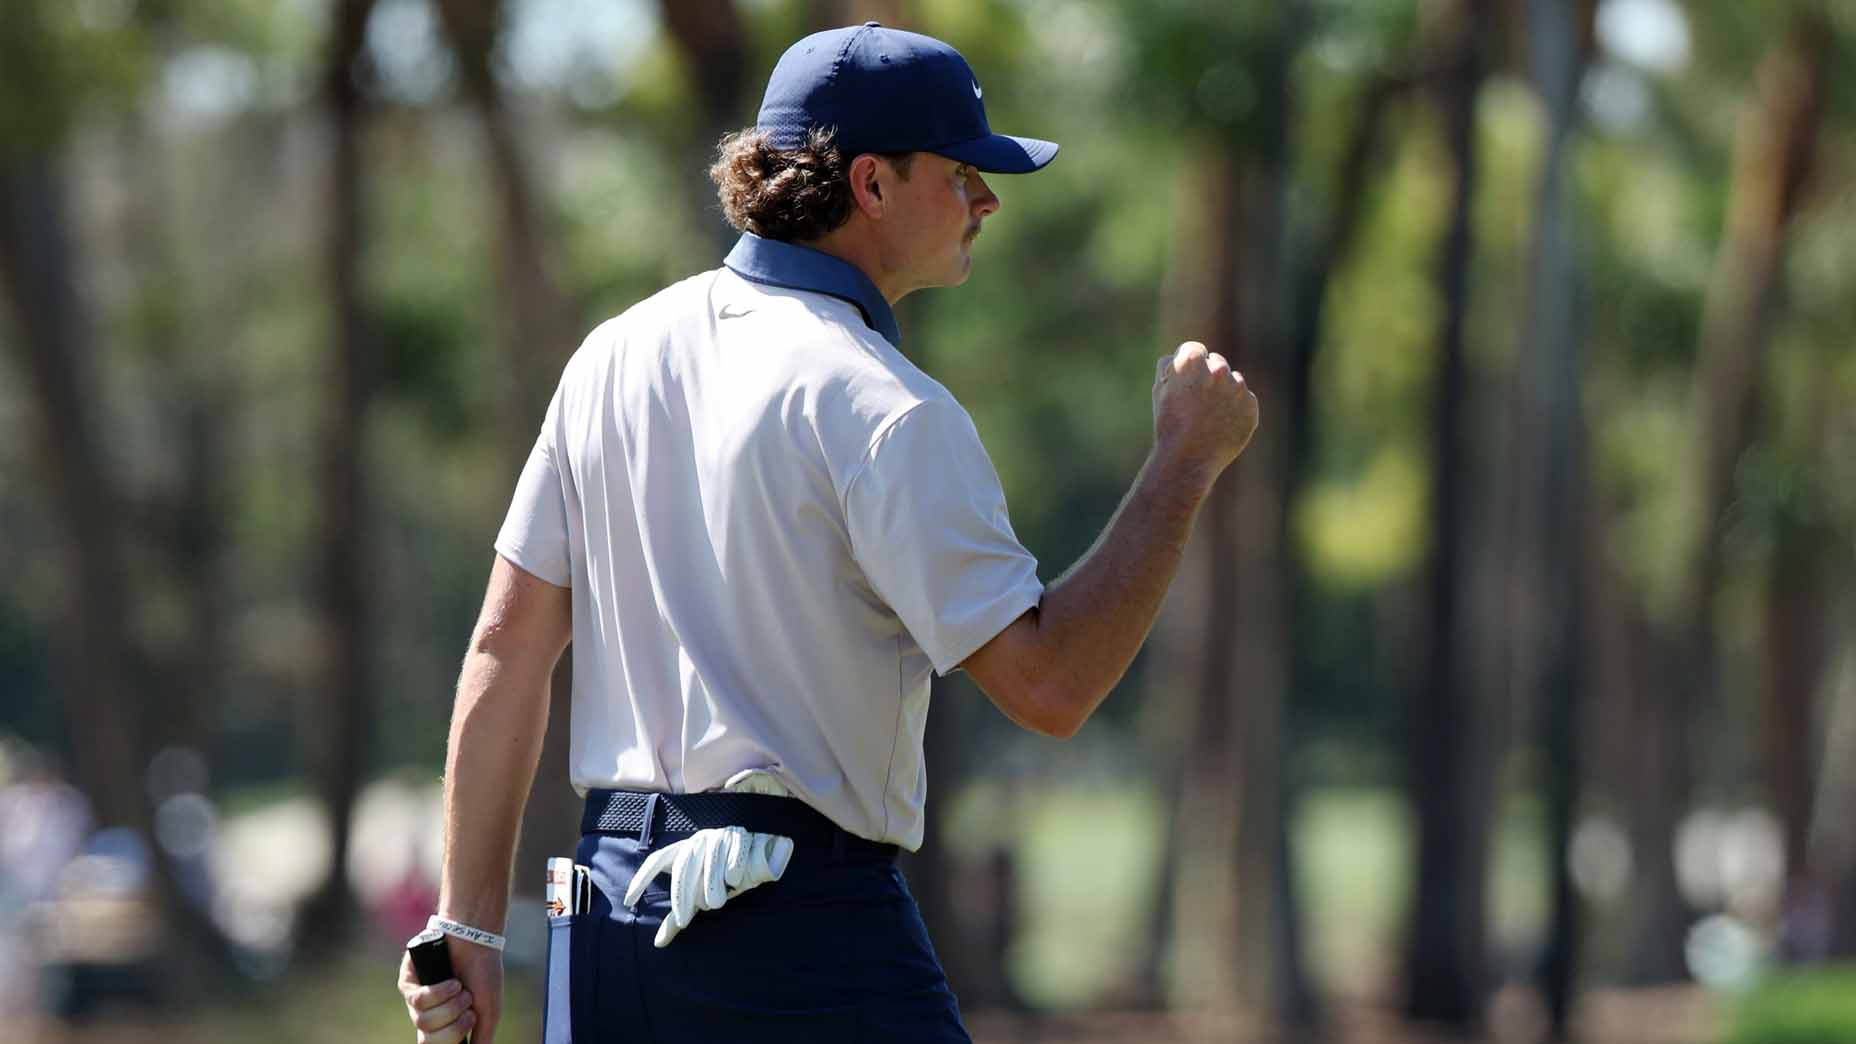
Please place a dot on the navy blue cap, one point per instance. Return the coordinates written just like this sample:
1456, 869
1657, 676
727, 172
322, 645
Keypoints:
886, 90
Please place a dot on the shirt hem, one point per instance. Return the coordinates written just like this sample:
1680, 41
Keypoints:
1028, 596
515, 555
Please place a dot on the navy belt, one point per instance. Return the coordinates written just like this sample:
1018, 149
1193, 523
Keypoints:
649, 815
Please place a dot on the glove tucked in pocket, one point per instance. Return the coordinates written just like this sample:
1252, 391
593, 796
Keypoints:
707, 869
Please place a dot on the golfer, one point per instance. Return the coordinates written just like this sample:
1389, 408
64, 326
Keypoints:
763, 527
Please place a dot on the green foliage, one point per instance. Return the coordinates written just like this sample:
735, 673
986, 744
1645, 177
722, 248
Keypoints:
431, 317
1206, 65
55, 58
1798, 1007
1391, 491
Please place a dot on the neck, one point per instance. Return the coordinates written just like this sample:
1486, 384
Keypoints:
852, 242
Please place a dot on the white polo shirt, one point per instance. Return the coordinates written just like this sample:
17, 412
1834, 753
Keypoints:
774, 526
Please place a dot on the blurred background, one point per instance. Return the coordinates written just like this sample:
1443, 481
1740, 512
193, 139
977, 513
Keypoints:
1508, 692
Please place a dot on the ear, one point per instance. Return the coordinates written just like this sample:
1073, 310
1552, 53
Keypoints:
867, 185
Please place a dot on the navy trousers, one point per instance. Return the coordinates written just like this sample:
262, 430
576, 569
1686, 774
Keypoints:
833, 952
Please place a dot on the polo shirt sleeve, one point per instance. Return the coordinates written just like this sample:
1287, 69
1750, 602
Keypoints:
928, 526
535, 534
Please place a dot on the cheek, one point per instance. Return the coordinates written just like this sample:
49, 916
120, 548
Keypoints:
959, 208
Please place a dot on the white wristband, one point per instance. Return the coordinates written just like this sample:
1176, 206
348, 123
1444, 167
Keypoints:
466, 932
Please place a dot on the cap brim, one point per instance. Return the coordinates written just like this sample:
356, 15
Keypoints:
1002, 153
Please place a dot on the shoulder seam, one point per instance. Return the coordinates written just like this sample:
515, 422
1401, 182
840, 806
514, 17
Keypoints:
876, 440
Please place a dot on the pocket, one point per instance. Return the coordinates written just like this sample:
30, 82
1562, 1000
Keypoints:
557, 1003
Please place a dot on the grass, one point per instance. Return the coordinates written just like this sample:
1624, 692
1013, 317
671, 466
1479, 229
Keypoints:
353, 999
1088, 859
357, 1000
1799, 1007
1354, 868
1087, 867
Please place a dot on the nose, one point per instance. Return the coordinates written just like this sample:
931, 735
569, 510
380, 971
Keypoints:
984, 202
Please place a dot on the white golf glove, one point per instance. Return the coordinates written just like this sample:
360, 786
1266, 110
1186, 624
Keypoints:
712, 866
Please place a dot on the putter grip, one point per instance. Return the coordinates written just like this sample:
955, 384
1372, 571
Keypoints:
431, 959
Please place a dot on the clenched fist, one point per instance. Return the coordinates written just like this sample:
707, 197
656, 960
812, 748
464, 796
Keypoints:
467, 1007
1204, 414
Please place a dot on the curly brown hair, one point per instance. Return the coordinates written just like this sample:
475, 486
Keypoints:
796, 195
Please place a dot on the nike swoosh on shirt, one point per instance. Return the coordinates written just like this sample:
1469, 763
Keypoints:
736, 314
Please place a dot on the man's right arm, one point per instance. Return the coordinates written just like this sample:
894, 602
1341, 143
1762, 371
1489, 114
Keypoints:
496, 731
1051, 668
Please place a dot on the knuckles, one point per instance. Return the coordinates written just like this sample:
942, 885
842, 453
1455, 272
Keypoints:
1194, 406
1188, 353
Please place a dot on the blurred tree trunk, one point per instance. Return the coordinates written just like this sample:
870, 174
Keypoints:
1231, 898
186, 523
831, 14
1547, 522
826, 14
1833, 836
1205, 818
1269, 922
536, 320
342, 720
1449, 761
1774, 149
102, 674
1659, 785
1248, 510
1166, 725
538, 327
1358, 163
1796, 655
714, 43
56, 347
1805, 570
1627, 746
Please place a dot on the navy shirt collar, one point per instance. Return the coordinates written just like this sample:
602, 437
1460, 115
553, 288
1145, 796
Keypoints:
778, 263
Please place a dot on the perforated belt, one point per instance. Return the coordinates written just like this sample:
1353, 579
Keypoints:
651, 815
